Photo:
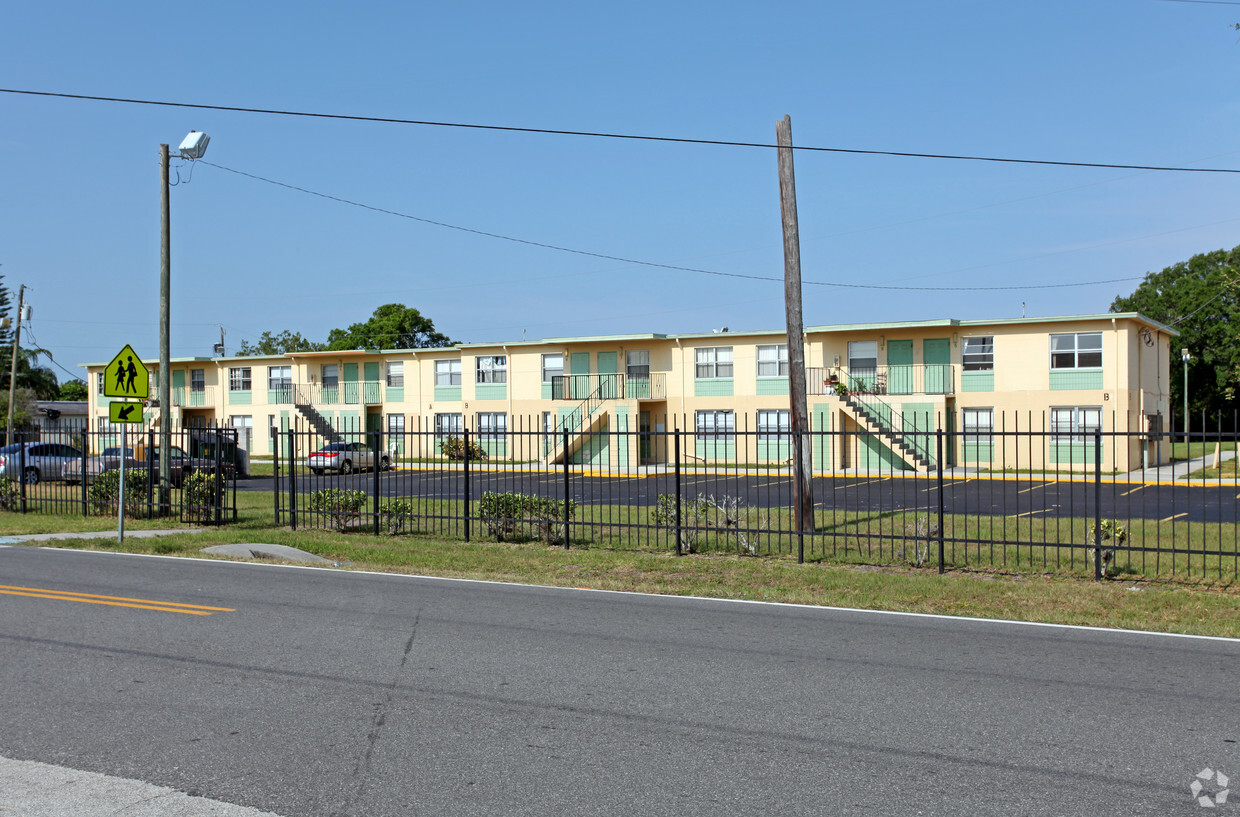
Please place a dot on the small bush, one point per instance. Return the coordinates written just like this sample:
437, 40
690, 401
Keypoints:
454, 449
690, 517
1112, 532
342, 506
10, 493
104, 490
199, 500
508, 515
395, 514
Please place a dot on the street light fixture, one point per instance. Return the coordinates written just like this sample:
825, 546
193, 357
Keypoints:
1186, 357
192, 147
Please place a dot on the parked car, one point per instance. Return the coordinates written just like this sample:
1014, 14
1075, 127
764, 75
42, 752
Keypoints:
182, 464
346, 458
42, 461
96, 465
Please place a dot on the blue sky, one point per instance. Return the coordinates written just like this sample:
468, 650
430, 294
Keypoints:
1144, 82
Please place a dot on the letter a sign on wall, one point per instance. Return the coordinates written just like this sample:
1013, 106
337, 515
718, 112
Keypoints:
125, 376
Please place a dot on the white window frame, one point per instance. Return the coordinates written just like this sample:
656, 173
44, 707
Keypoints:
491, 369
447, 372
774, 425
396, 424
712, 362
978, 424
977, 353
715, 425
1076, 350
197, 380
859, 357
449, 424
279, 378
240, 379
492, 425
1075, 424
549, 369
773, 360
332, 380
637, 364
395, 374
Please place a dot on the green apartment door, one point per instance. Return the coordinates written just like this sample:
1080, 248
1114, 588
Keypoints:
370, 383
579, 388
900, 367
608, 368
350, 383
937, 354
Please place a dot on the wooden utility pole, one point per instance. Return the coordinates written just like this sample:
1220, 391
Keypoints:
165, 366
802, 496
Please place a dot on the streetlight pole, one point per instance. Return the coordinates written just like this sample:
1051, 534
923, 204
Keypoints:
1186, 357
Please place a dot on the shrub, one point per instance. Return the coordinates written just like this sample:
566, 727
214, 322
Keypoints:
9, 493
1108, 531
342, 506
104, 490
454, 449
199, 501
689, 517
508, 515
395, 514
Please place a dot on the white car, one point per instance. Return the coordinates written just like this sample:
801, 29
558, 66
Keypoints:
346, 458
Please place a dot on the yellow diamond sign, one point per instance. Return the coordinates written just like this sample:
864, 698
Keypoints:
125, 376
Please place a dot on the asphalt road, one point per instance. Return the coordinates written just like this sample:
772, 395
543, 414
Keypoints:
1011, 496
318, 692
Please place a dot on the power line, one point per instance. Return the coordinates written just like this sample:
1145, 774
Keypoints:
606, 135
639, 262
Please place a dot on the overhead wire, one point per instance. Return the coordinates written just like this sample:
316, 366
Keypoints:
609, 135
654, 264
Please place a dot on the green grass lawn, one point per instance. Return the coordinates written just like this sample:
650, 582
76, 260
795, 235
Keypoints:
869, 564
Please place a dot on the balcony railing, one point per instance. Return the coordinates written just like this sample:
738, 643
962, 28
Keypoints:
925, 378
183, 397
349, 393
609, 387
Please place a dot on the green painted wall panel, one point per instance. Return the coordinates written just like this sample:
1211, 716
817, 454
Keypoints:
1073, 379
448, 394
773, 385
491, 391
395, 394
238, 398
977, 381
716, 387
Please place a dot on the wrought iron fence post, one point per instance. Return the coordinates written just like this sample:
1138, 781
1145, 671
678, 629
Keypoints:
85, 457
292, 481
150, 471
468, 509
1097, 504
939, 468
567, 488
375, 467
218, 501
799, 451
21, 473
275, 471
676, 461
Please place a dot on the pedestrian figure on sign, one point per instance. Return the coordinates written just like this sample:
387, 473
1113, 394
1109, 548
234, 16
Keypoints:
120, 377
131, 373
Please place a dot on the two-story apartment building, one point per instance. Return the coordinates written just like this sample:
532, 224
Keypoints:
891, 383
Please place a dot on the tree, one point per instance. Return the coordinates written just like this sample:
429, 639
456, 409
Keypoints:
392, 326
23, 407
283, 343
73, 390
1197, 298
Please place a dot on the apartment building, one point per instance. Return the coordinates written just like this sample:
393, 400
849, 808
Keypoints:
890, 385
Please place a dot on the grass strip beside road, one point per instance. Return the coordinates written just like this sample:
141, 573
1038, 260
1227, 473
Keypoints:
1162, 606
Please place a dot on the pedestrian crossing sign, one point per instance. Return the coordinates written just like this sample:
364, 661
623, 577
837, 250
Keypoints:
126, 376
120, 412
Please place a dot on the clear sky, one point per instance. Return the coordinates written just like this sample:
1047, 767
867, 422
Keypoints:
1145, 82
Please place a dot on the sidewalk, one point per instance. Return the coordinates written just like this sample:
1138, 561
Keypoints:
95, 534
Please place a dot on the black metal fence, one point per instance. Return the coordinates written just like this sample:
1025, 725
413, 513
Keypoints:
1039, 497
78, 472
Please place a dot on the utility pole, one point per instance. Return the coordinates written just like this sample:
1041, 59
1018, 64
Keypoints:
798, 414
17, 341
165, 365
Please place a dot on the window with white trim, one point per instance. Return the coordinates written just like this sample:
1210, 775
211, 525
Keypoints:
773, 361
1075, 423
774, 425
396, 424
447, 373
978, 354
395, 374
492, 425
279, 378
1079, 350
862, 355
637, 364
449, 425
331, 375
552, 366
491, 369
979, 425
712, 361
239, 378
718, 426
197, 380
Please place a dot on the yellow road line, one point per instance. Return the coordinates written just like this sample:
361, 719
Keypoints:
945, 485
1134, 490
855, 484
113, 601
1036, 487
1027, 513
1177, 516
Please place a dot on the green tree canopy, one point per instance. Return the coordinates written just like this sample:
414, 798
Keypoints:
392, 326
279, 344
1197, 298
73, 390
